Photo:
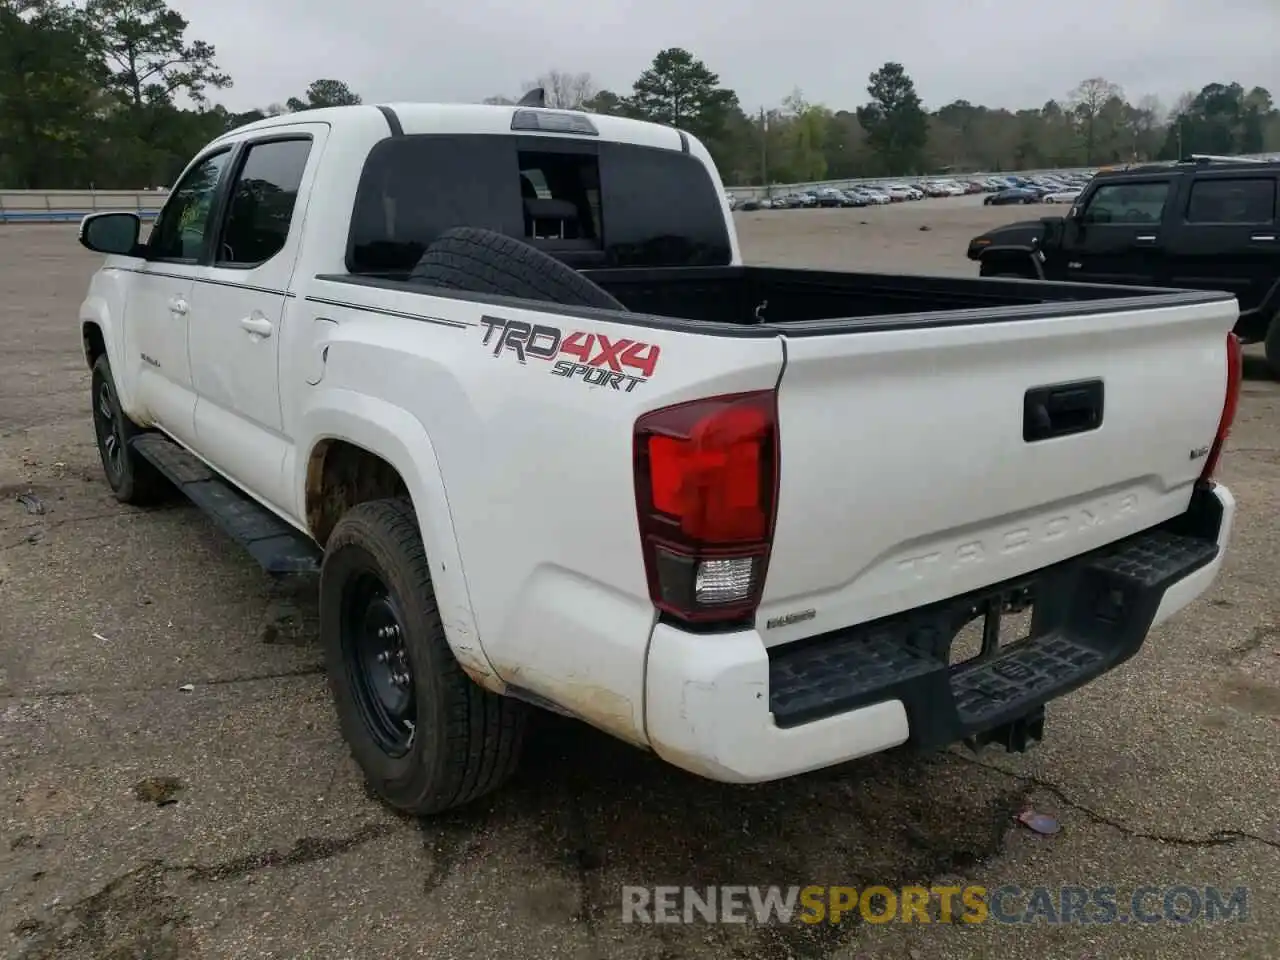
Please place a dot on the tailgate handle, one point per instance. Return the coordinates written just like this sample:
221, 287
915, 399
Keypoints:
1059, 410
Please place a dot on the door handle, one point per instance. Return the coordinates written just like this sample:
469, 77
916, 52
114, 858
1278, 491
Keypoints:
178, 306
1264, 237
1145, 238
1060, 410
258, 325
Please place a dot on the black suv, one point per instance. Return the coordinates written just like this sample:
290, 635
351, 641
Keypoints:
1205, 223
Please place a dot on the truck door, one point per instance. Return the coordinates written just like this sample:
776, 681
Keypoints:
160, 309
1226, 237
243, 300
1118, 236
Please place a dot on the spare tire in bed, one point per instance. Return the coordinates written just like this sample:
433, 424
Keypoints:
482, 261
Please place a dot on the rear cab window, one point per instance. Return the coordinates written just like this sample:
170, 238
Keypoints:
590, 204
1128, 202
1231, 200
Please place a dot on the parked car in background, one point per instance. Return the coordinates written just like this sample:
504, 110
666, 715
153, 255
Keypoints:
830, 197
1206, 223
1011, 195
899, 192
1070, 195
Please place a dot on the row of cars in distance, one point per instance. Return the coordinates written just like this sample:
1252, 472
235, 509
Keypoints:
1042, 188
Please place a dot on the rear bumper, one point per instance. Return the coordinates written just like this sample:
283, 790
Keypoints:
727, 708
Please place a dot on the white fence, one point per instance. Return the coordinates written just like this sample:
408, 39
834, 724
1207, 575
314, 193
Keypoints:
68, 206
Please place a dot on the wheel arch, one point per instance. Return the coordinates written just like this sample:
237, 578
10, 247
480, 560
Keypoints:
357, 448
1007, 257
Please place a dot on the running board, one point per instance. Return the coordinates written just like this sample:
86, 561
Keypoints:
277, 547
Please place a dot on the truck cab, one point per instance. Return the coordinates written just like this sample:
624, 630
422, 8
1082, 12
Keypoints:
1206, 223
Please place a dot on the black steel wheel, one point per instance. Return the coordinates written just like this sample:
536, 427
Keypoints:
373, 633
109, 428
131, 478
425, 735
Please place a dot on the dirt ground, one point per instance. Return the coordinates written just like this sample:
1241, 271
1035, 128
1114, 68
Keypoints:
141, 820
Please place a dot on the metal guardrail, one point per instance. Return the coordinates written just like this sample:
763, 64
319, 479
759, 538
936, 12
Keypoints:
69, 206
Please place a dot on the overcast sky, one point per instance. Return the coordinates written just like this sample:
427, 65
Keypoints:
1011, 53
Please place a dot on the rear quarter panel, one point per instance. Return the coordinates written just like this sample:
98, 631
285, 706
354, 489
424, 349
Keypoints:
537, 471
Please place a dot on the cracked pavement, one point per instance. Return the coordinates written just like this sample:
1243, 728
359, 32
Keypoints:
139, 819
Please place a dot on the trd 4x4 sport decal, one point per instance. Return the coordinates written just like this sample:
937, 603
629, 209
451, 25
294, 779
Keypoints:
596, 359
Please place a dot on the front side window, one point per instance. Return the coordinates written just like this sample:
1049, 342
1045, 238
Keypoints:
1127, 203
180, 230
260, 207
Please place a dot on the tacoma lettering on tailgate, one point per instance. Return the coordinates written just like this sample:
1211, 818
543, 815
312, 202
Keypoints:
598, 360
1045, 529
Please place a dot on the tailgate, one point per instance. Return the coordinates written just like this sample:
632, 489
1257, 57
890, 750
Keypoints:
906, 478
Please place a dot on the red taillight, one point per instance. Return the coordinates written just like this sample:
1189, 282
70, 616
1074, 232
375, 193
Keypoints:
706, 487
1235, 374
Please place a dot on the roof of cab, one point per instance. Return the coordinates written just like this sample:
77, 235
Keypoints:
473, 118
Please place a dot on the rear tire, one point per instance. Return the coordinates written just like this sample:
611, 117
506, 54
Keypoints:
132, 479
426, 737
1271, 346
482, 261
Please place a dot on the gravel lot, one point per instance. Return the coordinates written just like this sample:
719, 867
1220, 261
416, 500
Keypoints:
1163, 772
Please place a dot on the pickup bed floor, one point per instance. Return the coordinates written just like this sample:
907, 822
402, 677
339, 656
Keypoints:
278, 547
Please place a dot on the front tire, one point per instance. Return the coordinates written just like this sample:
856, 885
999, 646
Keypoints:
426, 737
132, 479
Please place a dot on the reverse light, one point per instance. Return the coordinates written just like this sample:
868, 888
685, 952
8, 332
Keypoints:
706, 477
1235, 376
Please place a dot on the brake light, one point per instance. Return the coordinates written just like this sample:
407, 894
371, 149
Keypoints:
1235, 375
706, 477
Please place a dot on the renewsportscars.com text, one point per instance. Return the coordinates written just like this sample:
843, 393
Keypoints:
1011, 904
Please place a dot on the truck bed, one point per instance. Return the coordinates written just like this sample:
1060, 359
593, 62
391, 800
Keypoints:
806, 298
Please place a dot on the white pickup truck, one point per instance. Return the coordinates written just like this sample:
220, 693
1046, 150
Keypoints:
499, 374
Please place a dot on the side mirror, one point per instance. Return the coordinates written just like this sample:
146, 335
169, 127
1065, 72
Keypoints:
111, 233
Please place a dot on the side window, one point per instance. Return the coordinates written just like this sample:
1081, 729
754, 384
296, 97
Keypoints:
415, 187
180, 230
1232, 201
260, 207
1123, 203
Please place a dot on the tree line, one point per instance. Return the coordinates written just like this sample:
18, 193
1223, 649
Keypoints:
115, 94
893, 133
